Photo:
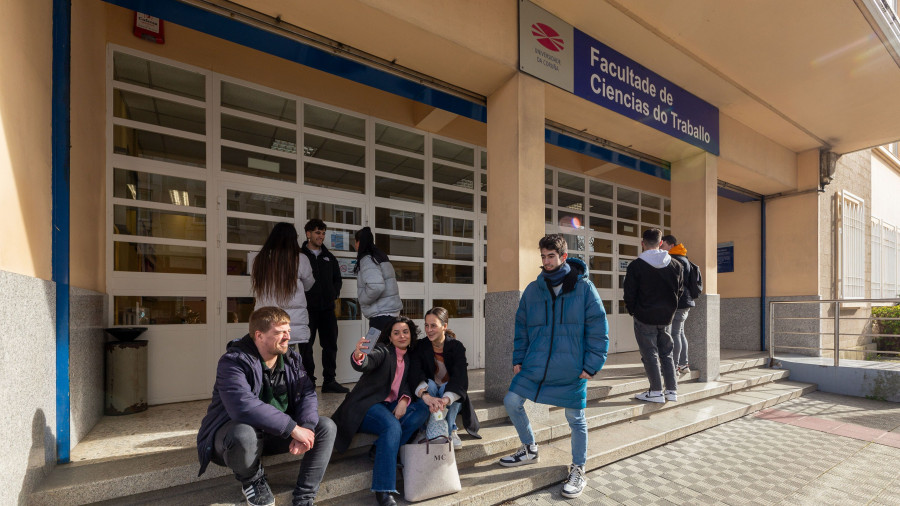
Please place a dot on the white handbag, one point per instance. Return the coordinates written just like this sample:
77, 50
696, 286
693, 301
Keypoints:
429, 470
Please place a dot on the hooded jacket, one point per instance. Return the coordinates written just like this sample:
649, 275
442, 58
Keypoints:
376, 288
679, 252
653, 285
557, 337
236, 397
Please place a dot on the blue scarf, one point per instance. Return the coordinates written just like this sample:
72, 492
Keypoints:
556, 277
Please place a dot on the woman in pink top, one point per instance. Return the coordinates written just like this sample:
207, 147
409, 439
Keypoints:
381, 403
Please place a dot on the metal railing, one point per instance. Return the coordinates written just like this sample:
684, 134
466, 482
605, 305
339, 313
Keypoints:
837, 304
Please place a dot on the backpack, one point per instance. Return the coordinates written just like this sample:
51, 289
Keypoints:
694, 284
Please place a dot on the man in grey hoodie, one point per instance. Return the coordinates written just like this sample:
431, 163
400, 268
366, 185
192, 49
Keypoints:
653, 285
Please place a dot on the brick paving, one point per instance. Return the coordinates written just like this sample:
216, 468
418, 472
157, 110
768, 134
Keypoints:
760, 459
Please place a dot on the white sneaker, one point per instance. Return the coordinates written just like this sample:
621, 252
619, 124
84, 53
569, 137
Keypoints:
683, 369
574, 484
671, 395
527, 454
651, 396
457, 442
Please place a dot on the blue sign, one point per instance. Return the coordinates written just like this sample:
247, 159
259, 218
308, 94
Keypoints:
725, 257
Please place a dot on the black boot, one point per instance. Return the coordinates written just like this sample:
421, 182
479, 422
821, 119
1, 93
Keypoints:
333, 387
385, 499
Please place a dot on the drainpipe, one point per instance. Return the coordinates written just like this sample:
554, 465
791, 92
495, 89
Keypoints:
762, 276
62, 38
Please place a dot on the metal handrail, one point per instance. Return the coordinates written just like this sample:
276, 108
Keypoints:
837, 324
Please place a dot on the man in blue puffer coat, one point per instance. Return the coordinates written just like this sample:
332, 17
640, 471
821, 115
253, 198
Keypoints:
561, 342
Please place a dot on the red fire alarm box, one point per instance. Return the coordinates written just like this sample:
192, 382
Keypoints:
149, 28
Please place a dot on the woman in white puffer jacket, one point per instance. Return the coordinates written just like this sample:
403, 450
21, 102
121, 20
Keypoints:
280, 277
376, 283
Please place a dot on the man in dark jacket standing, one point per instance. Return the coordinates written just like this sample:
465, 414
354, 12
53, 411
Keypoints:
677, 251
653, 285
320, 305
263, 404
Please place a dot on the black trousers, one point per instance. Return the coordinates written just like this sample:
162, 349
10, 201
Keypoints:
323, 323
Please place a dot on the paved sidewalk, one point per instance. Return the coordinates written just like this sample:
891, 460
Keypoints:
815, 450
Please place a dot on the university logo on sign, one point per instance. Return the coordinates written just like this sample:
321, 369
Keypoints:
547, 52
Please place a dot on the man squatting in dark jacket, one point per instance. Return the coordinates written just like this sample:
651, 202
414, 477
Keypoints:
263, 403
320, 306
653, 285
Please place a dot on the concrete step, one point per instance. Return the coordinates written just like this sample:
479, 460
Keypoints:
350, 472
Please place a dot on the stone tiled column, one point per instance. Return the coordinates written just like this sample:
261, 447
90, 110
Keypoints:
515, 147
695, 223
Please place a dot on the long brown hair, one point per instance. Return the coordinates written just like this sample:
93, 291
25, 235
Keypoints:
444, 317
274, 273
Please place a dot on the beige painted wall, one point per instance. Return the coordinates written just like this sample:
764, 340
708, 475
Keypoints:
25, 130
740, 223
885, 187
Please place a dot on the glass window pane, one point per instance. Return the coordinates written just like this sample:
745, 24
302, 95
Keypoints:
139, 257
154, 146
415, 309
548, 216
600, 263
335, 213
483, 204
388, 188
484, 160
259, 134
131, 184
564, 199
622, 308
453, 176
627, 212
453, 250
602, 280
548, 177
629, 229
258, 164
629, 196
629, 250
667, 205
239, 309
456, 227
573, 220
334, 178
456, 274
158, 76
570, 182
340, 240
650, 201
260, 203
442, 197
137, 310
456, 308
409, 272
574, 242
548, 196
599, 245
601, 189
484, 182
403, 246
128, 220
156, 111
601, 207
398, 164
400, 139
404, 221
259, 102
238, 262
334, 122
607, 306
667, 220
600, 224
244, 231
334, 151
347, 309
452, 152
651, 217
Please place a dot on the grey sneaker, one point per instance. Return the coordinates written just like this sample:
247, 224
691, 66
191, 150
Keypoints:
683, 369
457, 442
574, 484
527, 454
671, 395
651, 396
258, 493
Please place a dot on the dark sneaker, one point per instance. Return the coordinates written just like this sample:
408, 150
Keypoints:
258, 493
574, 484
527, 454
333, 387
651, 396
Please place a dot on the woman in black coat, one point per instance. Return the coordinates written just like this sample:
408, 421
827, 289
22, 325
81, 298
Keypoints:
381, 403
440, 374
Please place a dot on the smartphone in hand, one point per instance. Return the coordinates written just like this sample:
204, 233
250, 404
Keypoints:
371, 336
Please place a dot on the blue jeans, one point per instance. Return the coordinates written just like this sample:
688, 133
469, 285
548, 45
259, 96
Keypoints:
655, 343
680, 356
515, 408
452, 410
392, 433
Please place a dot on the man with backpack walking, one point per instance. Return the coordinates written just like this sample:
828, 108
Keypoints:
693, 285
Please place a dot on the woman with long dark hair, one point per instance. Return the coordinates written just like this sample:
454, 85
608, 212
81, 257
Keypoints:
376, 282
440, 374
381, 403
280, 277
